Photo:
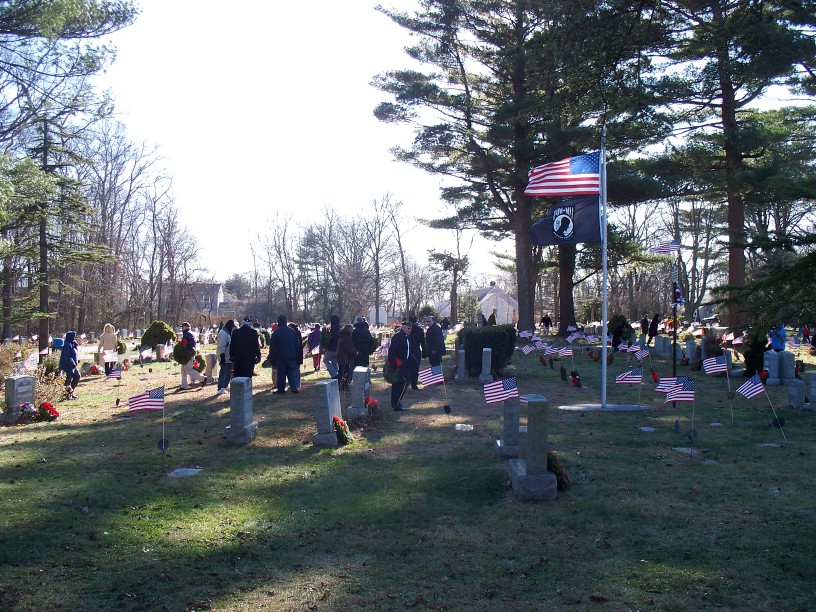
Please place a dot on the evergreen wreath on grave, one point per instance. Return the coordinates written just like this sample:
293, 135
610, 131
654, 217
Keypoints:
182, 354
341, 428
198, 363
554, 466
47, 412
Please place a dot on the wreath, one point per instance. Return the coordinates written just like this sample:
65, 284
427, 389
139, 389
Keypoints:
554, 466
341, 428
182, 354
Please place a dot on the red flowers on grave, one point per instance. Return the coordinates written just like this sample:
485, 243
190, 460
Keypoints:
554, 466
341, 429
655, 376
576, 378
94, 369
763, 376
47, 412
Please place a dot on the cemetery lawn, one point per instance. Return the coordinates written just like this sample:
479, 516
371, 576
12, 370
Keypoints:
415, 514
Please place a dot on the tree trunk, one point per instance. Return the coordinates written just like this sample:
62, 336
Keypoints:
566, 271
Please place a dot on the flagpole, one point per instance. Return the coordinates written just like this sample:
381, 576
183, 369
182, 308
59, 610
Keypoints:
604, 313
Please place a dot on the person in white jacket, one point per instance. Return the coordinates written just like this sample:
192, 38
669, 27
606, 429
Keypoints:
225, 363
108, 342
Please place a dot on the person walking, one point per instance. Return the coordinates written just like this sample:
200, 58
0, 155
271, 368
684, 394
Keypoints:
346, 354
399, 353
653, 328
778, 337
245, 349
416, 340
330, 356
546, 323
313, 344
434, 342
284, 348
224, 356
69, 359
108, 341
187, 370
361, 336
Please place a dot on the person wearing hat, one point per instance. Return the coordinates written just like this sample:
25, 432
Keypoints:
245, 349
362, 339
313, 344
416, 338
284, 349
187, 370
434, 342
399, 353
224, 357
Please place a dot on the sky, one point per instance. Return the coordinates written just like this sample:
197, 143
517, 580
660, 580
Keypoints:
259, 108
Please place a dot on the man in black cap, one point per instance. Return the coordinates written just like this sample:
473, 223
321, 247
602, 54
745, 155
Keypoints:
362, 339
416, 341
245, 349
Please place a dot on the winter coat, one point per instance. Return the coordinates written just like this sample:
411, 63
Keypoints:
361, 337
285, 344
398, 351
68, 356
334, 331
313, 339
417, 342
345, 347
245, 350
188, 339
435, 344
224, 341
108, 340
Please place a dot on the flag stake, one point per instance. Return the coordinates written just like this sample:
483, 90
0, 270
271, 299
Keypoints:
781, 428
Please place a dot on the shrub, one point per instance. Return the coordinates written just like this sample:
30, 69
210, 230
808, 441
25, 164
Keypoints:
159, 332
619, 319
500, 338
121, 347
755, 345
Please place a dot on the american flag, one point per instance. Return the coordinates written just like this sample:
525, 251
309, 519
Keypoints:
551, 350
623, 346
523, 399
527, 349
642, 354
117, 373
574, 336
540, 345
500, 390
579, 175
728, 337
634, 348
147, 400
632, 377
565, 352
667, 382
738, 341
794, 343
431, 376
525, 334
672, 246
751, 387
592, 338
683, 391
715, 365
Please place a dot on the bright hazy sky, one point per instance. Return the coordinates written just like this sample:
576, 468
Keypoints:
260, 107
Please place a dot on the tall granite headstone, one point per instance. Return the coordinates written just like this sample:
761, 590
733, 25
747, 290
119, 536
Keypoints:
461, 369
242, 429
487, 362
328, 407
360, 390
770, 362
508, 445
529, 476
19, 389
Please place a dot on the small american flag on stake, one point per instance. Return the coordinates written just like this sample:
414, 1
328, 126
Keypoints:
147, 400
665, 383
500, 390
632, 377
117, 373
565, 352
751, 387
683, 391
642, 354
634, 348
715, 365
431, 376
527, 349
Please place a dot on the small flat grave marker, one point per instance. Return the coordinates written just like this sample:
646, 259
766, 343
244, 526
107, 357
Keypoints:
182, 472
646, 428
463, 427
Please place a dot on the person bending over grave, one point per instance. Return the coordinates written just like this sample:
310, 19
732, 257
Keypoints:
187, 369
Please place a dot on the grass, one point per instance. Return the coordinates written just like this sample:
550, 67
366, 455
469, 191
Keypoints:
414, 514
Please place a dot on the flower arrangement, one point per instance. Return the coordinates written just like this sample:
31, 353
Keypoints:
371, 404
341, 428
125, 364
27, 414
47, 412
121, 347
198, 363
554, 466
94, 369
576, 378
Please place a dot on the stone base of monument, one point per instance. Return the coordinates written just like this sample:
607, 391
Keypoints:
325, 439
531, 487
506, 451
242, 435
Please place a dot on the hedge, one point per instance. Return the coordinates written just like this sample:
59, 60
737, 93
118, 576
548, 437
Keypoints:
500, 338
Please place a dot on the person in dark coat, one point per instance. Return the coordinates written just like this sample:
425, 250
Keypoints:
69, 359
284, 348
330, 356
313, 344
617, 335
188, 372
361, 336
653, 328
345, 356
299, 357
416, 339
434, 342
644, 325
398, 357
245, 349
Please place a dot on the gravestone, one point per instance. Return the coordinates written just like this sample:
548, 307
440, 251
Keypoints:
770, 362
508, 445
461, 370
160, 349
19, 389
662, 346
328, 392
642, 339
210, 360
691, 351
787, 367
123, 334
487, 360
242, 429
360, 390
796, 394
529, 476
86, 368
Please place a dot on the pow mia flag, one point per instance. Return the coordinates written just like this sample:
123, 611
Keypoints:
572, 221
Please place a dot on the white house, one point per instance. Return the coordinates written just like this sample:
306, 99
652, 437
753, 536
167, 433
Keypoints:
492, 300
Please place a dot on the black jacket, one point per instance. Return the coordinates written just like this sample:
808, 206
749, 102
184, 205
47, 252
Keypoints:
417, 342
435, 344
361, 338
245, 350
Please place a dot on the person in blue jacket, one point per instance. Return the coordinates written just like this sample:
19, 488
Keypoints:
284, 350
68, 363
778, 337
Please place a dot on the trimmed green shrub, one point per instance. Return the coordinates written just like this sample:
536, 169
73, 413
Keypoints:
618, 319
159, 332
500, 338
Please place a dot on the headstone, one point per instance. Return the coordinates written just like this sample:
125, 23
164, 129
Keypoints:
787, 367
461, 370
660, 346
529, 476
86, 368
328, 407
123, 333
360, 390
138, 333
242, 429
691, 351
487, 360
642, 339
770, 362
210, 360
99, 359
159, 349
19, 389
812, 396
508, 445
796, 394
